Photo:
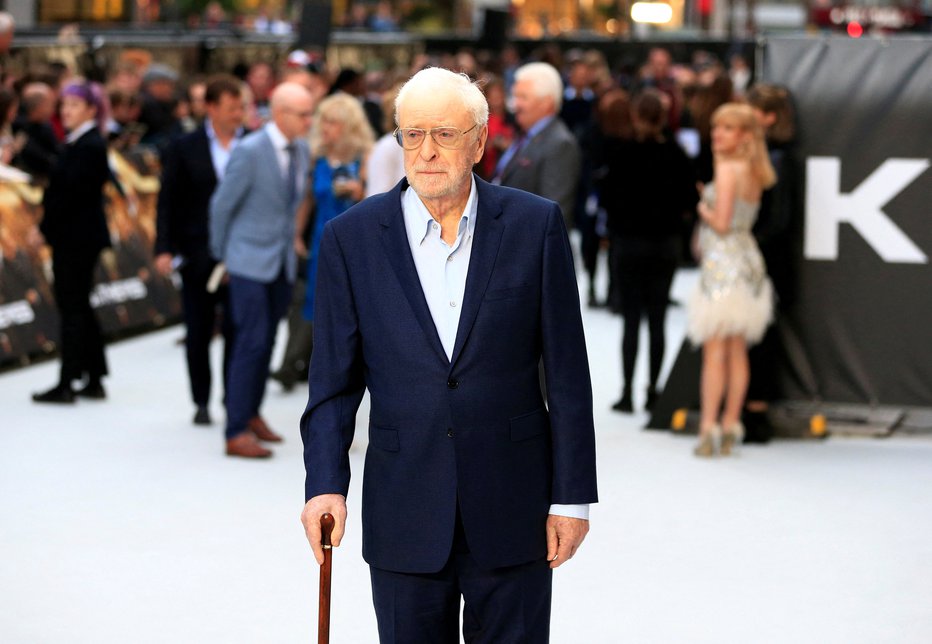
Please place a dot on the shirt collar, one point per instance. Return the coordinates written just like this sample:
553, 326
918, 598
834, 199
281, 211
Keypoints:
418, 219
279, 140
535, 129
80, 131
212, 134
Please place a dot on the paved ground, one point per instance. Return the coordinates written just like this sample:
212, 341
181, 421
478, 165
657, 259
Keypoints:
122, 522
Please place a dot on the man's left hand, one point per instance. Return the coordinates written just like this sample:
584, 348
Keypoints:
564, 536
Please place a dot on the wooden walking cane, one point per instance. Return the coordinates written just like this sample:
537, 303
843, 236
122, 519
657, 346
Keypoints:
323, 614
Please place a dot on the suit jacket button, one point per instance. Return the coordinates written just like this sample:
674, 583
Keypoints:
450, 433
452, 383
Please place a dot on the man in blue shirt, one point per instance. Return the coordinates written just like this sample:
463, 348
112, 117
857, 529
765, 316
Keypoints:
442, 297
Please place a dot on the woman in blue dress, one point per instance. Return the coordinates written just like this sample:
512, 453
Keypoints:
340, 142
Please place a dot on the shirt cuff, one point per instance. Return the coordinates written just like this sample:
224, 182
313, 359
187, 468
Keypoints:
580, 511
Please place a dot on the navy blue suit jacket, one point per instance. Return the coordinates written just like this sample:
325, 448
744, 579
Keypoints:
474, 429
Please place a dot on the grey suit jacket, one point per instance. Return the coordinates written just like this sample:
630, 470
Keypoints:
251, 223
548, 166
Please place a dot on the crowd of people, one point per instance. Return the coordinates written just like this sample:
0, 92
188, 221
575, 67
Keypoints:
625, 152
414, 227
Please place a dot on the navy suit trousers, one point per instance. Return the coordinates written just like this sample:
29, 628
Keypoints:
503, 606
256, 308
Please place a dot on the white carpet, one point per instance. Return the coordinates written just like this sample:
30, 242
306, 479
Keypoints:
121, 522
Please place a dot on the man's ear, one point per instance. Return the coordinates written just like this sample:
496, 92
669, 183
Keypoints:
483, 137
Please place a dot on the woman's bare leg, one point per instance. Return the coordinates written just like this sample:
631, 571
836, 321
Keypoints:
738, 378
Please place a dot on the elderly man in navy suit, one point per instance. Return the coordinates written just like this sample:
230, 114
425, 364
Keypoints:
252, 229
441, 297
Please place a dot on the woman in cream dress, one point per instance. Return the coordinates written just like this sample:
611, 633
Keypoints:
733, 303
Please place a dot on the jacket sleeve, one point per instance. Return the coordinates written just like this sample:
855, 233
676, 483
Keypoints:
238, 179
167, 202
566, 371
336, 382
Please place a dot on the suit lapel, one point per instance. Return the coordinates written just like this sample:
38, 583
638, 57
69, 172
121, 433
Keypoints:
395, 240
485, 245
271, 166
203, 151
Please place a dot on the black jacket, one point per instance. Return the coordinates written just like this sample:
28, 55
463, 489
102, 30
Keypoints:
188, 181
74, 219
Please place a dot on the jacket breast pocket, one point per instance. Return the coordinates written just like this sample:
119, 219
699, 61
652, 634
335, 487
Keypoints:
527, 426
384, 438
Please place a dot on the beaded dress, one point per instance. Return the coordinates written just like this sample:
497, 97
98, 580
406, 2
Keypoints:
734, 295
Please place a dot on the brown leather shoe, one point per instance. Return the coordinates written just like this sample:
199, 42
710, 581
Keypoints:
258, 427
246, 445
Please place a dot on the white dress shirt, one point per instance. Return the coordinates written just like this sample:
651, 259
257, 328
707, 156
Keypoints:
280, 143
219, 155
442, 270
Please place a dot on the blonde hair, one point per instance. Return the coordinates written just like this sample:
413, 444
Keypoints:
357, 138
742, 116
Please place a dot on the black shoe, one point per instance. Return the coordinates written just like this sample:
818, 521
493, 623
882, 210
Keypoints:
92, 390
59, 394
202, 416
652, 397
624, 405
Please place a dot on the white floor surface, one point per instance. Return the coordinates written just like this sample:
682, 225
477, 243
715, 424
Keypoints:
121, 522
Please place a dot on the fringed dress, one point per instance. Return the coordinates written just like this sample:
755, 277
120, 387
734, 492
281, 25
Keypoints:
734, 296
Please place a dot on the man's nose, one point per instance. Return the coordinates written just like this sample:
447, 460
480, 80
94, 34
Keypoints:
428, 149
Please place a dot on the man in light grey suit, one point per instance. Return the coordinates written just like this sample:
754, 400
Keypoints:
252, 216
545, 158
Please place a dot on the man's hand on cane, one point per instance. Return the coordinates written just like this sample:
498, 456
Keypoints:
564, 536
318, 506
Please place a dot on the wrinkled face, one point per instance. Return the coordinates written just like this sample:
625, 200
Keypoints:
226, 115
728, 137
530, 108
433, 171
75, 111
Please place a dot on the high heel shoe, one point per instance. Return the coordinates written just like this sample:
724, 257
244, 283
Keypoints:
708, 440
731, 439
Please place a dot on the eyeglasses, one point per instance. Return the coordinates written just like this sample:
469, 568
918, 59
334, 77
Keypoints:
411, 138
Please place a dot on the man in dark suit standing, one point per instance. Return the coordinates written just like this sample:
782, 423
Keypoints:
192, 167
544, 158
441, 297
252, 230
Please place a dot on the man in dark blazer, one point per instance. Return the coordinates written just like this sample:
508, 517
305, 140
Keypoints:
190, 171
75, 226
252, 230
544, 158
441, 297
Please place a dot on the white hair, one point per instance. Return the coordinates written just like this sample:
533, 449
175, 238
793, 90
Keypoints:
545, 81
6, 22
434, 80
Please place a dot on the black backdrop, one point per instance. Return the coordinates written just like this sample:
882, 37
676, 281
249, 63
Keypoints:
861, 329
